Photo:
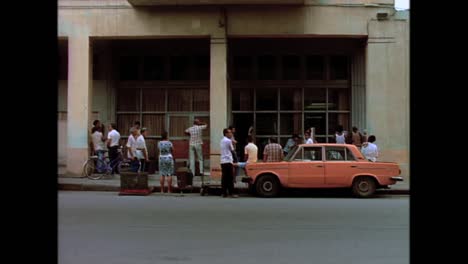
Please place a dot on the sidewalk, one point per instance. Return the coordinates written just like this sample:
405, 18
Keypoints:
108, 183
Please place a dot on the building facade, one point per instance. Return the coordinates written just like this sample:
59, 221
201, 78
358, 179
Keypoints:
279, 67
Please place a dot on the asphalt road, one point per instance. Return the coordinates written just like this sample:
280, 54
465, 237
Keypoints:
102, 227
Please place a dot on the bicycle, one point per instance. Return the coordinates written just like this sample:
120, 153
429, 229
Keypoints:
90, 167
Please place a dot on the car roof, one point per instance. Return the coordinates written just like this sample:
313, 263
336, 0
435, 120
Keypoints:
326, 144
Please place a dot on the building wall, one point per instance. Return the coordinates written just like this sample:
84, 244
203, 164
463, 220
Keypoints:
387, 88
121, 20
386, 56
101, 110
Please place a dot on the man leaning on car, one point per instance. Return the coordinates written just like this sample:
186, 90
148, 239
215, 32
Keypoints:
273, 152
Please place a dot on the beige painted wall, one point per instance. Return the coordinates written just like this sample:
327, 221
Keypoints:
111, 3
388, 90
192, 21
101, 105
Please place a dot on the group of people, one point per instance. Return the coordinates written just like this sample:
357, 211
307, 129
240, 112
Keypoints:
103, 143
137, 151
230, 165
366, 144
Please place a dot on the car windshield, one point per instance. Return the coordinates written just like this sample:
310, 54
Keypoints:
290, 153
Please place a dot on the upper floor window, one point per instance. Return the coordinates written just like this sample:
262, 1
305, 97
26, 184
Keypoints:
339, 68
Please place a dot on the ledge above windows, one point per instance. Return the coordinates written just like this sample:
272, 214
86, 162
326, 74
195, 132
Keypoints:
213, 2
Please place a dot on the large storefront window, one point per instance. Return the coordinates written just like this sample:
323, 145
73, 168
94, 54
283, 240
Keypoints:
181, 103
312, 91
322, 109
162, 109
164, 84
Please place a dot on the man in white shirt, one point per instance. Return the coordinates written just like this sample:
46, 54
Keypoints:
136, 149
227, 181
196, 143
113, 138
308, 138
370, 150
250, 153
143, 133
98, 146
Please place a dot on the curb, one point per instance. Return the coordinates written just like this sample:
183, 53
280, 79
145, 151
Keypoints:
395, 192
195, 189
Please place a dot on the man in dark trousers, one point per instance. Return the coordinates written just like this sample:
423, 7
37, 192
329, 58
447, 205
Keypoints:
113, 144
227, 183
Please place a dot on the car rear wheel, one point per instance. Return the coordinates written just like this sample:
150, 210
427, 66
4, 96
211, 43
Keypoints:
267, 186
364, 187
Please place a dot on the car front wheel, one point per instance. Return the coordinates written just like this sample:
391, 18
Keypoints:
267, 186
364, 187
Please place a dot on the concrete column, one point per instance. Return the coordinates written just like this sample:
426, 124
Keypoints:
358, 90
79, 102
387, 102
218, 101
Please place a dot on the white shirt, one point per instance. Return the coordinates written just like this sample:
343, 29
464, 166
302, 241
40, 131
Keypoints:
114, 136
340, 139
370, 151
252, 151
97, 141
226, 148
310, 141
136, 146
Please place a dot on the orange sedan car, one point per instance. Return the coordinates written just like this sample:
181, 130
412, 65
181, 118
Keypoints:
322, 166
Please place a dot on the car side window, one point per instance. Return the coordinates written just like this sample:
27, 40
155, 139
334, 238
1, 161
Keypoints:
335, 153
309, 154
313, 153
299, 155
350, 155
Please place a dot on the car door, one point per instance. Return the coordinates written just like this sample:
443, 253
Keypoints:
306, 168
340, 166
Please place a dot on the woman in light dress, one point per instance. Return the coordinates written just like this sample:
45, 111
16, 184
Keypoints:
166, 162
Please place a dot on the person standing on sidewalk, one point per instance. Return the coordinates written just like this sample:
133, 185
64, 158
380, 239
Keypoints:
141, 149
291, 143
98, 146
340, 137
136, 150
308, 138
166, 162
113, 138
235, 157
196, 142
142, 146
227, 181
356, 137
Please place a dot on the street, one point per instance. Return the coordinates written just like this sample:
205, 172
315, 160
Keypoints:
102, 227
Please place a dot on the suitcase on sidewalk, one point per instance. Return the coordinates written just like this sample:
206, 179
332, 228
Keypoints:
184, 178
134, 183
